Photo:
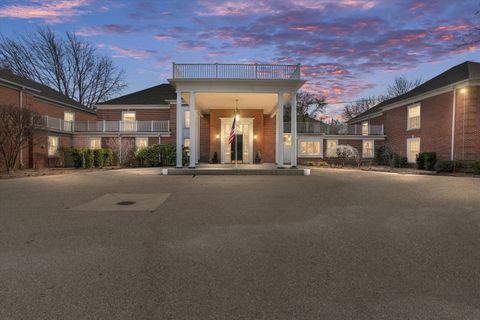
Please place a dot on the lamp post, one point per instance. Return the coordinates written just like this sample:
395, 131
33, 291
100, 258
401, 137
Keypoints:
464, 93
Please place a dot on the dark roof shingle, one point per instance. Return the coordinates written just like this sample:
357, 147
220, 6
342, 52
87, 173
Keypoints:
463, 71
151, 96
42, 90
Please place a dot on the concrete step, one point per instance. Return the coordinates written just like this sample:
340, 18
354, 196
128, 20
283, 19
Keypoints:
236, 172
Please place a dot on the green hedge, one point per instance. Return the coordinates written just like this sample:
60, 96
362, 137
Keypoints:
447, 166
476, 167
426, 161
159, 155
88, 158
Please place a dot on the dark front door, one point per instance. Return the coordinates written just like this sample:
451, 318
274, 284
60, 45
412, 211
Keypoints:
238, 151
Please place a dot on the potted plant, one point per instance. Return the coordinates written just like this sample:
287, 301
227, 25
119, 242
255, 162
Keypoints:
258, 157
215, 157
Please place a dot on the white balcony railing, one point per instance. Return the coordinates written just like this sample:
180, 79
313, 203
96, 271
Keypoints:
327, 129
105, 126
236, 71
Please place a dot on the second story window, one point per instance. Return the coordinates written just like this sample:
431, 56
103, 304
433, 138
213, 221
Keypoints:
187, 119
413, 117
365, 129
68, 118
128, 118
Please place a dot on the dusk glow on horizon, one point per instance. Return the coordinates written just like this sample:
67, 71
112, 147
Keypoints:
347, 48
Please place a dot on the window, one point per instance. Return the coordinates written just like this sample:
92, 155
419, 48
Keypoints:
128, 118
68, 118
413, 149
332, 148
52, 146
365, 128
95, 143
310, 148
141, 142
367, 149
413, 117
187, 119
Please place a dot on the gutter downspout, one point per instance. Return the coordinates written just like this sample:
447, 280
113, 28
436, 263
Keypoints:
21, 107
454, 107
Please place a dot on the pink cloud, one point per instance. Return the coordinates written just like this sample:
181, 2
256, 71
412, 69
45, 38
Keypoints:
130, 52
162, 37
105, 29
52, 11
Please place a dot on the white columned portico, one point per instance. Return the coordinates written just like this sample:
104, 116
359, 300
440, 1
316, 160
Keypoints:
193, 131
293, 103
179, 128
279, 130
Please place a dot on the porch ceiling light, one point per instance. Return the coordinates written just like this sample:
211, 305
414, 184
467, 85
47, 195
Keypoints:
237, 117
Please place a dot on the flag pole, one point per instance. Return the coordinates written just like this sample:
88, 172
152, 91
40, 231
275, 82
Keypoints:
236, 124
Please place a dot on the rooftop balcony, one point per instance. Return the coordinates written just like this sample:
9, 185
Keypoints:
236, 71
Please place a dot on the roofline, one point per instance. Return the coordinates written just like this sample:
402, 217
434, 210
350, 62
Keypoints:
65, 104
19, 85
414, 99
132, 106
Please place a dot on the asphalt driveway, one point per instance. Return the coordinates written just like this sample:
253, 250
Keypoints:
334, 245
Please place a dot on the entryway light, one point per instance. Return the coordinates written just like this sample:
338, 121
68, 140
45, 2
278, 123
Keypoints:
464, 90
255, 137
217, 136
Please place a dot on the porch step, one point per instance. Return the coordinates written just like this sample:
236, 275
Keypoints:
236, 172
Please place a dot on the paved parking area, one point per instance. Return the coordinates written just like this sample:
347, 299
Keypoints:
334, 245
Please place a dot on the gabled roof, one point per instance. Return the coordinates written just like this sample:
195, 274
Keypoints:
41, 91
463, 71
152, 96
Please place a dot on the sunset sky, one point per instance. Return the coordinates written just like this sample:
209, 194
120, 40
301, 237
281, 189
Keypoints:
348, 48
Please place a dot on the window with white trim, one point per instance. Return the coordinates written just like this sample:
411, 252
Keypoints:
365, 129
187, 119
413, 117
52, 146
95, 143
141, 142
332, 148
367, 149
309, 148
129, 118
413, 149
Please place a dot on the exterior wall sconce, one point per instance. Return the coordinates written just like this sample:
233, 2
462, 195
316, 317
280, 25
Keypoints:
463, 91
255, 137
217, 136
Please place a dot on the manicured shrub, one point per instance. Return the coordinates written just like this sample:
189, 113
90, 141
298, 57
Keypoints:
107, 157
430, 158
159, 155
476, 167
420, 161
444, 166
310, 163
77, 157
98, 158
88, 158
400, 162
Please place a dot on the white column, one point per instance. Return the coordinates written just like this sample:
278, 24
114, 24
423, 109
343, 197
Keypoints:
293, 103
280, 130
193, 131
179, 129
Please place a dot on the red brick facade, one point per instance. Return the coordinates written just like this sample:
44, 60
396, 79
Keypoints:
435, 131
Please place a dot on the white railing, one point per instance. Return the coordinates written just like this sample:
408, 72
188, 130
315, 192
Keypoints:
105, 125
327, 129
236, 71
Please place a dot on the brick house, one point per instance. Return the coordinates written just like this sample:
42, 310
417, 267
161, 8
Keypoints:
210, 96
58, 111
441, 115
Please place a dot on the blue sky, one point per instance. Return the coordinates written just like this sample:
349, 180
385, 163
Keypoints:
349, 48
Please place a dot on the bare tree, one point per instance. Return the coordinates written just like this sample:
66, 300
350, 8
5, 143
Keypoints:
17, 128
401, 85
123, 150
352, 110
309, 107
68, 64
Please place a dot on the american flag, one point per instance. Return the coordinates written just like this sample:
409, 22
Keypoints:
231, 139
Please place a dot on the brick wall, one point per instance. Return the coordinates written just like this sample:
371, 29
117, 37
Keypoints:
205, 139
467, 125
141, 114
269, 127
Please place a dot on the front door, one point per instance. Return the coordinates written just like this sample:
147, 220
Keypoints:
236, 148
